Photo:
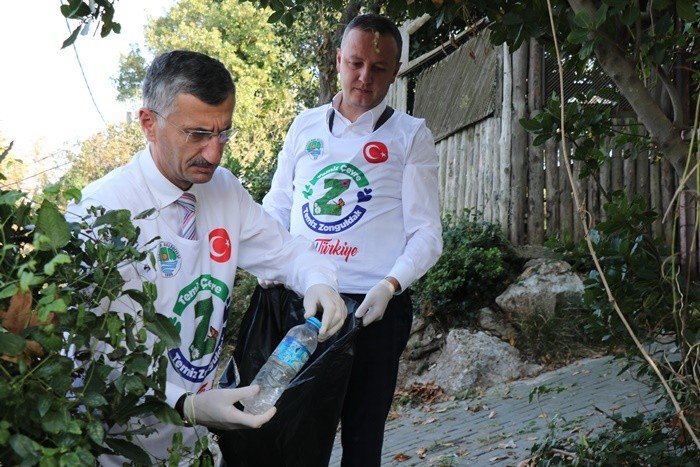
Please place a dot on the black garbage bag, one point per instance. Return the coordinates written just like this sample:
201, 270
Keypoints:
302, 431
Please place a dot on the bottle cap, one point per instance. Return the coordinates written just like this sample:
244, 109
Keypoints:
313, 321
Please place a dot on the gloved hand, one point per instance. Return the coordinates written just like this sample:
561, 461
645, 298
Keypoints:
373, 306
215, 409
322, 297
266, 284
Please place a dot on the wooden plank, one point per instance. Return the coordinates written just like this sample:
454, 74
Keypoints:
462, 177
593, 200
441, 173
505, 121
519, 146
488, 173
655, 197
605, 180
580, 186
479, 171
552, 223
471, 177
629, 165
495, 151
536, 176
566, 209
450, 176
668, 186
641, 187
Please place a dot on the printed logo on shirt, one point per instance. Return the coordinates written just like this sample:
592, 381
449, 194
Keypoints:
314, 148
327, 210
169, 259
326, 246
219, 245
375, 152
196, 303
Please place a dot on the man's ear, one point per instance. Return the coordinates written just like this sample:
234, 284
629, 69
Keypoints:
148, 121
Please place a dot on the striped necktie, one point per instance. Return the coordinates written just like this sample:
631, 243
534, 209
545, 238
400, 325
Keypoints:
187, 215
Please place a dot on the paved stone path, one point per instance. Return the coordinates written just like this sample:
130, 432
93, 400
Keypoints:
500, 427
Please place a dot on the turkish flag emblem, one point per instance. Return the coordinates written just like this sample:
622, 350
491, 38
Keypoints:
219, 245
375, 152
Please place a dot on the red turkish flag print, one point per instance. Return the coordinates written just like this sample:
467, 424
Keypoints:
219, 245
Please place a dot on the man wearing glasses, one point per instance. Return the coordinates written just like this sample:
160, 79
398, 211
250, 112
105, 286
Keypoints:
205, 225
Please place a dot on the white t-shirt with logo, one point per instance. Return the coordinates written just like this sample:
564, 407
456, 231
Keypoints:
370, 202
194, 278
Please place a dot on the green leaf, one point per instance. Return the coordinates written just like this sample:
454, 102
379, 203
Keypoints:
25, 448
8, 291
127, 449
50, 267
167, 414
73, 194
96, 431
94, 399
75, 10
11, 197
530, 124
72, 37
687, 10
145, 214
162, 327
54, 421
11, 344
52, 224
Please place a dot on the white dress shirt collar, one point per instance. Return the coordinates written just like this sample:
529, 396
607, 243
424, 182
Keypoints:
364, 125
162, 189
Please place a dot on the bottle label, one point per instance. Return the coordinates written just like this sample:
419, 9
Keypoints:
292, 352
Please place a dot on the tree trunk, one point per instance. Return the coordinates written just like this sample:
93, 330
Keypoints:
616, 65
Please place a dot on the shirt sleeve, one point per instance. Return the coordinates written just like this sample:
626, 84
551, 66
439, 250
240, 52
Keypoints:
278, 201
421, 211
268, 250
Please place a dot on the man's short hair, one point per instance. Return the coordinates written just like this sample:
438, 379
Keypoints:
185, 72
375, 23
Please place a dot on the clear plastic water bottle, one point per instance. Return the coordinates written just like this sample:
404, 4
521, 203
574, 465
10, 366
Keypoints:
285, 362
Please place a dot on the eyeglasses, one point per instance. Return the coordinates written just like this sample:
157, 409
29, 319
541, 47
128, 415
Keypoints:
201, 136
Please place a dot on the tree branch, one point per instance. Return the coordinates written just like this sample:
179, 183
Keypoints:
623, 73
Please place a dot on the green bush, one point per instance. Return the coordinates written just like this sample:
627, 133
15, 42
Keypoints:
633, 265
476, 265
638, 440
54, 409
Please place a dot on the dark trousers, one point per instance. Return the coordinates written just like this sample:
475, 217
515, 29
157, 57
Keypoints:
378, 348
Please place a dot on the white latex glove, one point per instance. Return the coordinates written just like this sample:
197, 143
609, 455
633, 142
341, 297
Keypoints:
320, 297
266, 284
373, 306
215, 409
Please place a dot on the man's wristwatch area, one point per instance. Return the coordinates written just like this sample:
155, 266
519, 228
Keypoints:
180, 408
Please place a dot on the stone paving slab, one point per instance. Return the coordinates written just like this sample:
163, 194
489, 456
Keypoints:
500, 427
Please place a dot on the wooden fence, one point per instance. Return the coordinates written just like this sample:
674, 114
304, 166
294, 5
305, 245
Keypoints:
490, 165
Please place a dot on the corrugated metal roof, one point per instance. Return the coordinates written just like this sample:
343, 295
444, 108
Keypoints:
460, 89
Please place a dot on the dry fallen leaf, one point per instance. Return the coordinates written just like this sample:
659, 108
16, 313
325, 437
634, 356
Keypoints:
492, 414
393, 415
422, 452
401, 457
430, 420
498, 458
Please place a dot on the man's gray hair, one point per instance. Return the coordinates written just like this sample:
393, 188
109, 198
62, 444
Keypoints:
185, 72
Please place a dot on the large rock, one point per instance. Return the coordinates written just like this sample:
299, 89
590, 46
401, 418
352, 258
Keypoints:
544, 287
473, 359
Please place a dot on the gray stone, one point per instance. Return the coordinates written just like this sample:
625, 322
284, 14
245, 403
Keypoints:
491, 322
472, 360
545, 286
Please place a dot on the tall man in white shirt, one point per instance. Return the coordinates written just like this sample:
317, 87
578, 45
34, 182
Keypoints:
361, 180
206, 225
